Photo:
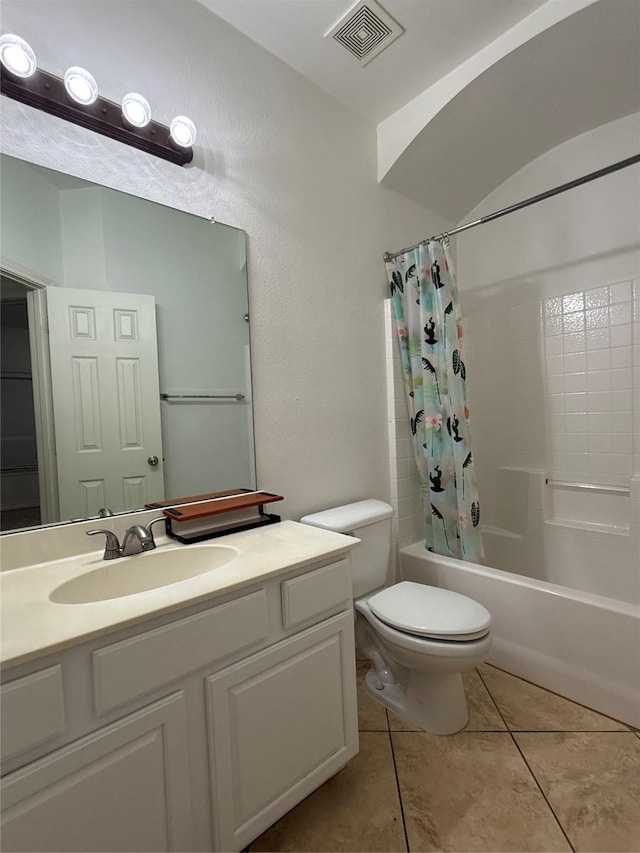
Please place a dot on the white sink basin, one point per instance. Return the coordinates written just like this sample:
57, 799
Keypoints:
143, 572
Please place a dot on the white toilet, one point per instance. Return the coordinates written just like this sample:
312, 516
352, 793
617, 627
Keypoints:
420, 639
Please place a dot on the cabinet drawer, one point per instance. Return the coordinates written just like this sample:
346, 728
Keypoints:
133, 667
32, 710
316, 594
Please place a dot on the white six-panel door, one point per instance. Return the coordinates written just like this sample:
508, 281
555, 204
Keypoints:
106, 400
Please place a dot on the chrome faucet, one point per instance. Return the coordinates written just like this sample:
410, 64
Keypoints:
137, 533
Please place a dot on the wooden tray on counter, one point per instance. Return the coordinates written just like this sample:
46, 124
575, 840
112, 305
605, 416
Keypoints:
208, 497
206, 507
203, 517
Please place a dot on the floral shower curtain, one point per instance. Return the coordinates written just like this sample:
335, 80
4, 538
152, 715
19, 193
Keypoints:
426, 310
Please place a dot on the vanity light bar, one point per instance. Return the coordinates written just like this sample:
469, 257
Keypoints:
48, 93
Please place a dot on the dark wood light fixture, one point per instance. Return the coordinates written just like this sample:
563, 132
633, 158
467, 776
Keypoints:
48, 93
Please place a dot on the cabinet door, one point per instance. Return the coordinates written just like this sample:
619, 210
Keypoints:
280, 723
124, 787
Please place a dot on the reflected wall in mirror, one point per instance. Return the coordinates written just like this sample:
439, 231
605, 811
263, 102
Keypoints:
125, 356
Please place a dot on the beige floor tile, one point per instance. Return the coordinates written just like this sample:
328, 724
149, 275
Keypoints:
527, 707
372, 716
592, 780
397, 724
471, 791
358, 809
483, 716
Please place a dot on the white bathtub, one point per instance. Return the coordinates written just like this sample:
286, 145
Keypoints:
583, 646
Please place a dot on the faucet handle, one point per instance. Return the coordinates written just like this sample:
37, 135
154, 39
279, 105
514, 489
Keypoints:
112, 545
144, 534
152, 522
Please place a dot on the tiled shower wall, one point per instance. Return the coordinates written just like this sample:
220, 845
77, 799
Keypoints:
553, 391
552, 383
554, 397
588, 346
550, 301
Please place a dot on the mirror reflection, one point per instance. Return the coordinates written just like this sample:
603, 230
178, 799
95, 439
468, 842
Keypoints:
125, 356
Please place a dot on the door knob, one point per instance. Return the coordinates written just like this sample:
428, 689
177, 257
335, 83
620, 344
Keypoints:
153, 461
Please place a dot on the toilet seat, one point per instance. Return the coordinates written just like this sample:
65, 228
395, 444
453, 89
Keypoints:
430, 612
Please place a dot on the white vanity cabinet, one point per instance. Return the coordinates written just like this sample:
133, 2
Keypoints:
123, 787
192, 731
280, 724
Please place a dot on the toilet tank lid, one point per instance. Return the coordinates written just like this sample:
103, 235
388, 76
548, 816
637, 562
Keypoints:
343, 519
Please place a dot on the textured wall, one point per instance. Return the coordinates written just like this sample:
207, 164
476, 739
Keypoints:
296, 170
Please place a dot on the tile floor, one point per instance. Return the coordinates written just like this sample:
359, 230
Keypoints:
532, 771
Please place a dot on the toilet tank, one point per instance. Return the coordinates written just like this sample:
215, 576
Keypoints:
370, 521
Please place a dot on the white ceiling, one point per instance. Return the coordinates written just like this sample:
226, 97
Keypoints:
581, 72
439, 35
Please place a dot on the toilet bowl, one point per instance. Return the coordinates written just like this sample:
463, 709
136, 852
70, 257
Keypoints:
419, 639
419, 676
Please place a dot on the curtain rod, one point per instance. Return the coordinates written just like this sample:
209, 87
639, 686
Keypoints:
622, 164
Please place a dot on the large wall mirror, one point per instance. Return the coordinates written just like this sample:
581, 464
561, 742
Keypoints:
125, 360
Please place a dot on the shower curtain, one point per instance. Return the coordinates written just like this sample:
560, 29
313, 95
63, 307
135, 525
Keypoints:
426, 311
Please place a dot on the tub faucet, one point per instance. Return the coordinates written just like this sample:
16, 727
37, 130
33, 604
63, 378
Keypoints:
143, 536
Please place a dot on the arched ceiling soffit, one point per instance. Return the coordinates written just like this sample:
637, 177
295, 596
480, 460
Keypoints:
575, 74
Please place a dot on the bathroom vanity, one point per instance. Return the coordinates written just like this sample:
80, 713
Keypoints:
190, 716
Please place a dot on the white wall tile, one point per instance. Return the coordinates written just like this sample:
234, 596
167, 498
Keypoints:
576, 422
599, 380
553, 324
620, 292
576, 341
574, 363
620, 314
599, 359
597, 338
597, 318
596, 297
575, 382
621, 379
621, 335
407, 487
573, 302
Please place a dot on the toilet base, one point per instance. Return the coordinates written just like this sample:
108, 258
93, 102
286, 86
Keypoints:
435, 703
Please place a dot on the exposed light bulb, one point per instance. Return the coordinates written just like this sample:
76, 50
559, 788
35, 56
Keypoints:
16, 55
80, 85
183, 131
136, 109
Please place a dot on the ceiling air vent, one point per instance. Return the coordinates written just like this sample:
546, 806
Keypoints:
365, 30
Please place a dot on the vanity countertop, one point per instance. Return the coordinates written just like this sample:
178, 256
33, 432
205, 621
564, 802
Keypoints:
33, 625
